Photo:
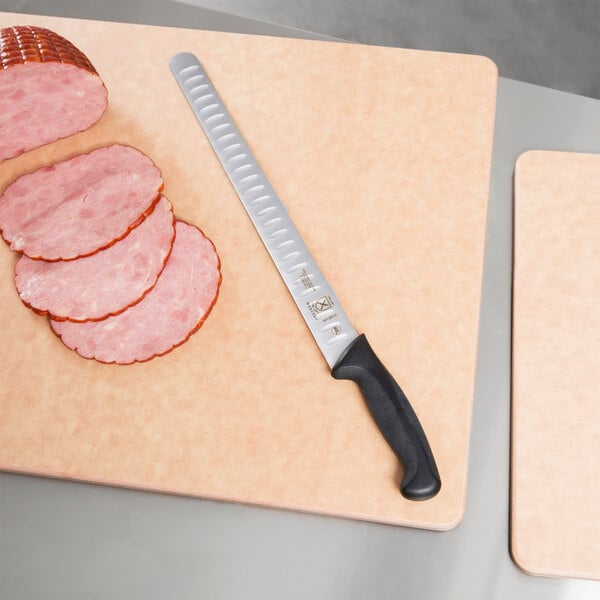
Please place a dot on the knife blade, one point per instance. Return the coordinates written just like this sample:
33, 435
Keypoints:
348, 354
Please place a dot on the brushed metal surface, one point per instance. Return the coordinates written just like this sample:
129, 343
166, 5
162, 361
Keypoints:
61, 539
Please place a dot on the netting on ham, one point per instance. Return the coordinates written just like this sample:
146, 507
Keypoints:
25, 43
49, 89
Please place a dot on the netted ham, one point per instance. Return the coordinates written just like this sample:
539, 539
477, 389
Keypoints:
165, 318
105, 283
48, 89
81, 205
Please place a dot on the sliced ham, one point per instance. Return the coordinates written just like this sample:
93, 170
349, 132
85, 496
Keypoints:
48, 89
105, 283
165, 318
81, 205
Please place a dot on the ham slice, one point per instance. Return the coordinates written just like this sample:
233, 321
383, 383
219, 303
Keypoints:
166, 317
105, 283
81, 205
48, 89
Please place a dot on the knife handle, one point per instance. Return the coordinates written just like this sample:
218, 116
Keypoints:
394, 416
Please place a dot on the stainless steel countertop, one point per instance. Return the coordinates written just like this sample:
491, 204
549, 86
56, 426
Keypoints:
64, 540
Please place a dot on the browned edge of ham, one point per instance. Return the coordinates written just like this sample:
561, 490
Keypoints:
56, 317
179, 343
139, 218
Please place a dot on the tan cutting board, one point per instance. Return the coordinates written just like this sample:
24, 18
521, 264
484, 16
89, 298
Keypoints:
556, 365
382, 157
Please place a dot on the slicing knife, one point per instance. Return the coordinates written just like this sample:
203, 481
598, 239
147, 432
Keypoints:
348, 354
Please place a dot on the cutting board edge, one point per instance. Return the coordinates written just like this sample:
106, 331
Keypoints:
537, 570
309, 510
484, 59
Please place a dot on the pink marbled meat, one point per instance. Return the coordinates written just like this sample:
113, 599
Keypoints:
166, 317
48, 89
81, 205
105, 283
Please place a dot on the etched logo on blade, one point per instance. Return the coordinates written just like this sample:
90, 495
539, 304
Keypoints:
320, 306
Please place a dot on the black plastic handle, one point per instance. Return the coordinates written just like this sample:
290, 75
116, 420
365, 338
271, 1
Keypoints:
394, 416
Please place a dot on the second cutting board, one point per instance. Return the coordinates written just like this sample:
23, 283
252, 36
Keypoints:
555, 492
